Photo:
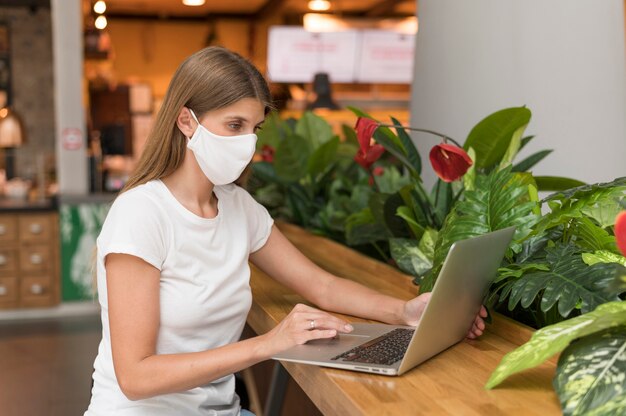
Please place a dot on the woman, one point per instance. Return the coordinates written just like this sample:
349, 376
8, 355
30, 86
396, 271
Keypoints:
172, 263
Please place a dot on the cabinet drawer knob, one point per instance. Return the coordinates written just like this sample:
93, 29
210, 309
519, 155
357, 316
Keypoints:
3, 290
3, 229
36, 289
36, 258
3, 259
36, 228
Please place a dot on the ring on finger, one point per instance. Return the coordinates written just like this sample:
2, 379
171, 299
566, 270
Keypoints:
312, 324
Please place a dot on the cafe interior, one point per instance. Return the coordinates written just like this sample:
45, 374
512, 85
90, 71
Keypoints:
81, 82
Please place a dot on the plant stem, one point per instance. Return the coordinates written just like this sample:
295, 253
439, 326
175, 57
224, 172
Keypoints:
443, 136
380, 251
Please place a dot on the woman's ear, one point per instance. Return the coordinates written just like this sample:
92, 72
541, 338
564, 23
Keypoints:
185, 122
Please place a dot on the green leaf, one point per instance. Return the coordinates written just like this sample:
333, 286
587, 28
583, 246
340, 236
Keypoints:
406, 214
396, 225
604, 211
470, 176
499, 200
570, 282
409, 257
349, 135
591, 372
491, 137
427, 243
272, 131
591, 237
590, 192
531, 161
552, 339
556, 183
362, 228
603, 256
412, 153
514, 146
314, 129
290, 159
323, 158
391, 181
525, 141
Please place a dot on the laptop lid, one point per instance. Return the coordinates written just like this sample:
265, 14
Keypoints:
470, 267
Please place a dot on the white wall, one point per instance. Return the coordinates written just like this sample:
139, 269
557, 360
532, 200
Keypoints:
564, 59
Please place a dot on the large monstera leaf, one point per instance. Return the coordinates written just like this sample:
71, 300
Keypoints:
499, 200
591, 374
569, 282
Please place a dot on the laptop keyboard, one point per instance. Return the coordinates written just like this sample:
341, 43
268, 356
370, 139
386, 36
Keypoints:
386, 349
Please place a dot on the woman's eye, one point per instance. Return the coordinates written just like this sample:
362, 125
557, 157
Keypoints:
235, 126
257, 129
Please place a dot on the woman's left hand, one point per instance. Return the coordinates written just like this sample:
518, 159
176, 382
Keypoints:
414, 309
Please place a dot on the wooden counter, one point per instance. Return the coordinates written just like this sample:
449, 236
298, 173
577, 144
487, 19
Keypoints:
450, 383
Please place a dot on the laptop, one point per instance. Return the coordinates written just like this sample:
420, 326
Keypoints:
465, 276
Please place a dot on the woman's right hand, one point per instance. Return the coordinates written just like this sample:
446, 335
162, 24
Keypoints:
303, 324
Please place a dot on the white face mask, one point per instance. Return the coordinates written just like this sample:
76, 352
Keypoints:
221, 158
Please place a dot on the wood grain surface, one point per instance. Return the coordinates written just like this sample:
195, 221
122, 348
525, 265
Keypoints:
449, 383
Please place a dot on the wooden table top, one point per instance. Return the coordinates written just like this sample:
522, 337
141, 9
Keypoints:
449, 383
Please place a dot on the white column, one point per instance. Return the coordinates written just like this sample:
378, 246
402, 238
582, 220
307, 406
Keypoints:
564, 59
67, 45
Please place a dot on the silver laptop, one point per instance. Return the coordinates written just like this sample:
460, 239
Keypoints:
467, 272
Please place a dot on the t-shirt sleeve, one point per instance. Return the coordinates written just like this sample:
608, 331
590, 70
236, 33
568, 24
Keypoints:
134, 226
259, 222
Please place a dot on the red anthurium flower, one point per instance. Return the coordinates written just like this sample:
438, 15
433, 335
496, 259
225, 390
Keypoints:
267, 153
620, 231
368, 152
449, 162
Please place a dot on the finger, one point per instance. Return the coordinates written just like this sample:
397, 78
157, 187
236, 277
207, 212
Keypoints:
327, 322
483, 312
476, 331
321, 334
479, 323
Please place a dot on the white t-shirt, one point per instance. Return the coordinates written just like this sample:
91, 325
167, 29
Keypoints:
204, 288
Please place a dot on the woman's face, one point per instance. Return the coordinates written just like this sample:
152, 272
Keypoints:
243, 117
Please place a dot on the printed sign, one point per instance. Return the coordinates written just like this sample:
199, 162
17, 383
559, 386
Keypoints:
72, 138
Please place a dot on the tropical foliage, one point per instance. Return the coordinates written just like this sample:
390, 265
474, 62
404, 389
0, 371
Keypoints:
563, 271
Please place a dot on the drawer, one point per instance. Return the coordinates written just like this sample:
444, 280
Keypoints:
8, 292
8, 228
35, 227
8, 261
36, 291
35, 258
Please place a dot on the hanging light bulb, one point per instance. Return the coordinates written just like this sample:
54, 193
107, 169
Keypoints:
319, 5
100, 7
101, 22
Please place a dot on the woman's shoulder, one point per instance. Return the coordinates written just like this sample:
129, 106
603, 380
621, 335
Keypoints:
142, 199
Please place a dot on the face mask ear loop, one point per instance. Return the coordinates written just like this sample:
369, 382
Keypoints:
195, 119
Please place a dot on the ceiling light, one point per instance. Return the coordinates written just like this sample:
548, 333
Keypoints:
100, 7
101, 22
319, 5
193, 2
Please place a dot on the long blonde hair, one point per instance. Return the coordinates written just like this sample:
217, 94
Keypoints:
210, 79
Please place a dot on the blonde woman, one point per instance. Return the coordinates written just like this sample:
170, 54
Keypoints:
172, 258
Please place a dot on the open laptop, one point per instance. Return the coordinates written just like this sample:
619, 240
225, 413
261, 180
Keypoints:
465, 276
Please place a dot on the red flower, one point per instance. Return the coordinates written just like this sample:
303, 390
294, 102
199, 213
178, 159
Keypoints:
449, 162
267, 153
620, 231
368, 153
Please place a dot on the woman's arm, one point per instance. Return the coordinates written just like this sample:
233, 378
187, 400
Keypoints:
133, 301
285, 263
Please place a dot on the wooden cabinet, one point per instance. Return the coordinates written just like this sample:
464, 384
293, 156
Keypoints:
29, 260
